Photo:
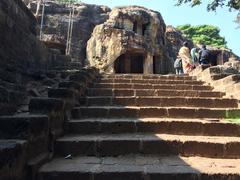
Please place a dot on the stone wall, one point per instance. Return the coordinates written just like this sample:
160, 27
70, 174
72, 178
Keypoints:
21, 54
224, 78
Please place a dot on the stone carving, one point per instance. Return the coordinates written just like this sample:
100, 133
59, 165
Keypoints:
132, 40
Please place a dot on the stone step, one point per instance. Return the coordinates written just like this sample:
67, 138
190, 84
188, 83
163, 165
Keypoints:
152, 92
13, 158
150, 81
165, 144
28, 127
153, 112
159, 101
208, 127
149, 76
151, 86
140, 167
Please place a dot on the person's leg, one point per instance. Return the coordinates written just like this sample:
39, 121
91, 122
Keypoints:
180, 71
177, 72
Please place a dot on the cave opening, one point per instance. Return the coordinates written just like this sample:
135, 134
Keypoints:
129, 63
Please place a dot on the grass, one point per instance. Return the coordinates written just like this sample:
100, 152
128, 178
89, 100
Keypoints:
234, 120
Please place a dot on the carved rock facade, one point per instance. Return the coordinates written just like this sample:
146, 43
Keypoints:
132, 40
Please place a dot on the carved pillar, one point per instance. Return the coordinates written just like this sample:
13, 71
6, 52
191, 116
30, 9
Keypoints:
148, 64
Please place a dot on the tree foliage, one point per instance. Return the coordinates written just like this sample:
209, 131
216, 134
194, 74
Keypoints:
204, 34
214, 4
232, 4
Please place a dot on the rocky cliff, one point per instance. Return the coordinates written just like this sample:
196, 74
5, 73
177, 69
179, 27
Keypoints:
56, 21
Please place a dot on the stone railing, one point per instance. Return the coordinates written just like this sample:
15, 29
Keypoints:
27, 139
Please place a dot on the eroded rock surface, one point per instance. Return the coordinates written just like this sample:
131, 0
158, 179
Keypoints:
56, 21
132, 40
176, 39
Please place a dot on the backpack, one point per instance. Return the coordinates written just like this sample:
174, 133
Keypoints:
178, 63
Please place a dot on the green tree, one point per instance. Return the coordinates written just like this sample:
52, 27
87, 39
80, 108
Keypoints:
232, 4
214, 4
204, 34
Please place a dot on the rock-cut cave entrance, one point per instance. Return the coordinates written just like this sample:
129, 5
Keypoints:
129, 63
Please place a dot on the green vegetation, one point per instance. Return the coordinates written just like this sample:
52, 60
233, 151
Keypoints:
204, 34
232, 4
214, 4
237, 120
233, 116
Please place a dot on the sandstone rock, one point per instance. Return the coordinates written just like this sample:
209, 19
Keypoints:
233, 62
56, 22
132, 40
176, 39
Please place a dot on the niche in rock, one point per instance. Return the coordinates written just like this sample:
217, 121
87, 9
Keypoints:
129, 63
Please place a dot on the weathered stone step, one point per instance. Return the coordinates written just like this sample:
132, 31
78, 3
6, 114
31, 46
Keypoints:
150, 81
26, 125
153, 112
13, 153
159, 101
152, 92
209, 127
164, 144
151, 86
140, 167
149, 76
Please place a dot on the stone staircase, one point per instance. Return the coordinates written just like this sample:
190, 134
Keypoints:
149, 127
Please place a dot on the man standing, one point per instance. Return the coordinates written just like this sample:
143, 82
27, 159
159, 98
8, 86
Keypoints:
204, 56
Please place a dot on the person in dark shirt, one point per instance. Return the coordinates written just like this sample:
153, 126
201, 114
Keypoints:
204, 55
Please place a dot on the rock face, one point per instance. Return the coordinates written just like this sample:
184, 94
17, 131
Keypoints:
132, 40
20, 54
176, 39
56, 20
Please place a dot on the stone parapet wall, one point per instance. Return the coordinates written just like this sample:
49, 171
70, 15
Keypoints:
224, 78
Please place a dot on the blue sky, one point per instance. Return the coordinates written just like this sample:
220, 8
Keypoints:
186, 15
